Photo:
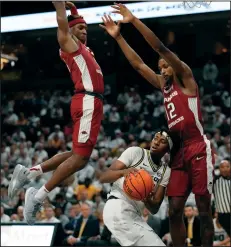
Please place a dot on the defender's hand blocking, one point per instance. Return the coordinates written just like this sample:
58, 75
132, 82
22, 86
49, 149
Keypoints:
124, 11
69, 5
110, 26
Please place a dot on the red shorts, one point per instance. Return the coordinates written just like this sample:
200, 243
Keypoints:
87, 114
192, 170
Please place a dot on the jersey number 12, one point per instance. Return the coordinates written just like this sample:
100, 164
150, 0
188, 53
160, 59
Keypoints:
170, 111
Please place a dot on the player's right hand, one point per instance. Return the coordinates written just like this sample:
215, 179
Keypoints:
124, 11
129, 171
110, 26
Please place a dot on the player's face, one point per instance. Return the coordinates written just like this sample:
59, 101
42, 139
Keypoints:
165, 70
159, 145
225, 169
80, 32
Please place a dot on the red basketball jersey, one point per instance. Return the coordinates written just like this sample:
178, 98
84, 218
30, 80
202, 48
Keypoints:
85, 72
183, 113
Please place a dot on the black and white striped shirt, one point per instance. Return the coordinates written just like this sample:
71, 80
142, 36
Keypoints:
221, 190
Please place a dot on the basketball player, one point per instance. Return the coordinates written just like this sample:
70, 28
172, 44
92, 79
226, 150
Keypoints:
192, 165
86, 111
122, 215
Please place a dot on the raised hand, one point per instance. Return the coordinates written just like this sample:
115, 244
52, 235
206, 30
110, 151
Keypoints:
124, 11
110, 26
69, 5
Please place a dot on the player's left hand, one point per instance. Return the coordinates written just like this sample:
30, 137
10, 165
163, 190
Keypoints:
69, 5
110, 26
149, 197
124, 11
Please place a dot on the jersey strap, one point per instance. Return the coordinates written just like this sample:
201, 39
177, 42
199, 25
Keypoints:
140, 161
154, 167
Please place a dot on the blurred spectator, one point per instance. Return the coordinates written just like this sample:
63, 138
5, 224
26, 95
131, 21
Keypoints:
74, 215
50, 215
87, 172
18, 135
192, 224
224, 150
20, 213
87, 226
210, 72
60, 216
41, 153
24, 159
4, 217
55, 142
114, 116
11, 118
58, 132
98, 205
83, 198
221, 237
60, 201
22, 120
90, 189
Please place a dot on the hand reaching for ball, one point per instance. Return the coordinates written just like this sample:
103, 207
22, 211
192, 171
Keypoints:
129, 171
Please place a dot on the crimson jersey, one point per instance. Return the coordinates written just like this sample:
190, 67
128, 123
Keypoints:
183, 113
85, 71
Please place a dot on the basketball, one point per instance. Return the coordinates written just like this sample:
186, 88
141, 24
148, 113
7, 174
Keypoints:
139, 185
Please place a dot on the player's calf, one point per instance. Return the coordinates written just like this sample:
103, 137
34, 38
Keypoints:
177, 226
206, 220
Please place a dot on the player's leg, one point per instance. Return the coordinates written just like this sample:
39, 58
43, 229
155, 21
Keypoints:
119, 216
22, 175
87, 119
202, 182
149, 237
177, 192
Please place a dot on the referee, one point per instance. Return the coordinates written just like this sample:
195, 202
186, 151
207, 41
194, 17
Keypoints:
221, 190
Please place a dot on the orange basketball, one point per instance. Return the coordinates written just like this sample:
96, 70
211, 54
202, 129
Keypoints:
139, 185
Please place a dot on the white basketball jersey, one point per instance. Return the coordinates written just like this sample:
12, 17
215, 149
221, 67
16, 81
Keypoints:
140, 158
219, 233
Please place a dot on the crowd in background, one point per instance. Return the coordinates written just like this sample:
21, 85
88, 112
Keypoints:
36, 126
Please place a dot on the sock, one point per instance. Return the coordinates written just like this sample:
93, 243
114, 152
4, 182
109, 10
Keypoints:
41, 194
35, 171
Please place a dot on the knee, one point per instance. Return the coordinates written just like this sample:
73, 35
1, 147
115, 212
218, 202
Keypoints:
80, 160
175, 213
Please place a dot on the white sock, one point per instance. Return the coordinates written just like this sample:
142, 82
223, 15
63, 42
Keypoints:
41, 194
35, 171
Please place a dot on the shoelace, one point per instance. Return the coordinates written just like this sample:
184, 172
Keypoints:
36, 209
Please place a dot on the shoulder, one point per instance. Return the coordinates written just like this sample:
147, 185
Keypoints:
93, 218
134, 150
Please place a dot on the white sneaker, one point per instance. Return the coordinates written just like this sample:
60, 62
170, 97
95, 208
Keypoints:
31, 207
18, 181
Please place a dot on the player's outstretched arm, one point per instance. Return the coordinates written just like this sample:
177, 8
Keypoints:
133, 58
65, 40
181, 69
154, 200
117, 170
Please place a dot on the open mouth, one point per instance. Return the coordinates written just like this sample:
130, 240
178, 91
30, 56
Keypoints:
153, 148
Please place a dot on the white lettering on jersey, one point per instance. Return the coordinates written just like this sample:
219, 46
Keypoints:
173, 94
175, 122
